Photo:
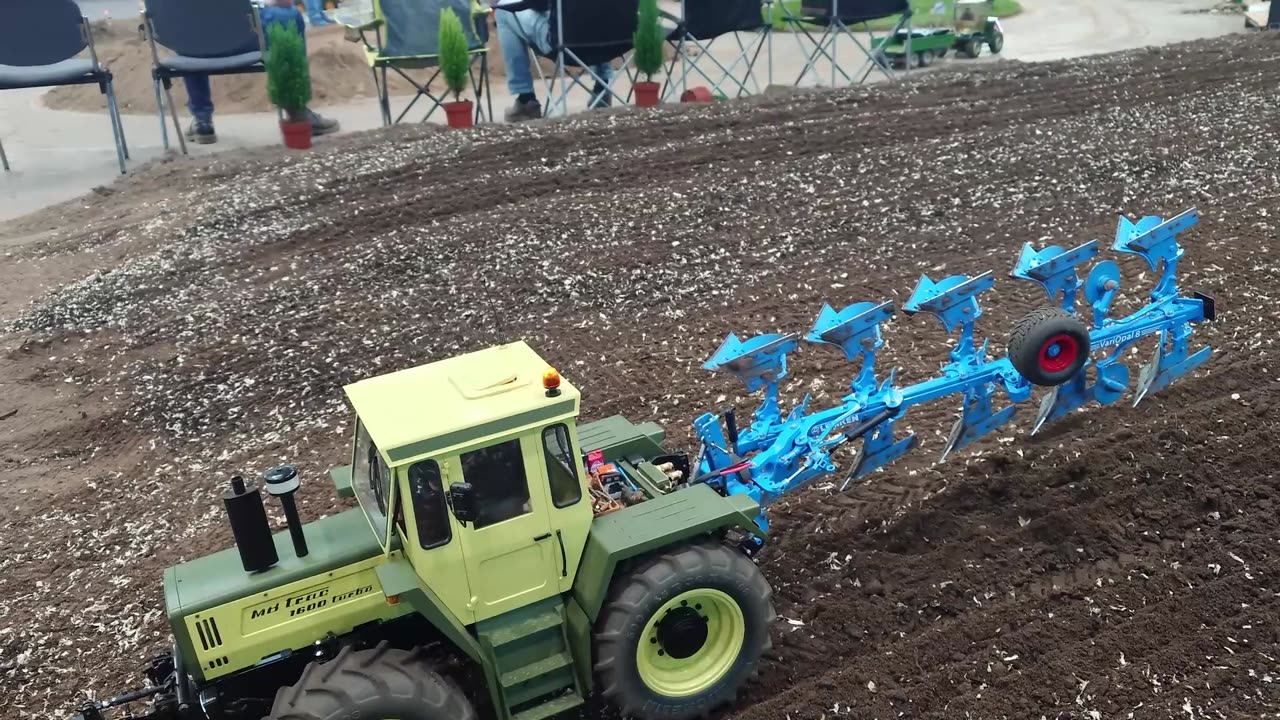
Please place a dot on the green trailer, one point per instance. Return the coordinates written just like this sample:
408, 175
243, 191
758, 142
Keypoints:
972, 26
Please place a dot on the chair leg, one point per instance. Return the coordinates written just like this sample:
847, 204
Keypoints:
4, 159
177, 125
117, 133
115, 108
164, 124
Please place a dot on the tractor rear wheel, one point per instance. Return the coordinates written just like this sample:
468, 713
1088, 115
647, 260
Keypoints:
972, 48
372, 684
1049, 346
682, 631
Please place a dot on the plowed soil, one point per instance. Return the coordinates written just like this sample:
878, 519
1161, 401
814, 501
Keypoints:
199, 319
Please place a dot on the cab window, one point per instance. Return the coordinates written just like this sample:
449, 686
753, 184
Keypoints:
496, 474
429, 509
562, 471
372, 481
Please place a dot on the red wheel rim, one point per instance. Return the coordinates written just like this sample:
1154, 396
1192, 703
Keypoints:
1058, 353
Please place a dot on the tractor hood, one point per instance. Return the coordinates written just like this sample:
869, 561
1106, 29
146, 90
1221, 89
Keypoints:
217, 579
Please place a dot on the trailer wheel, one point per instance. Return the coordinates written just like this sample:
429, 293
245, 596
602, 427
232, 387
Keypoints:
682, 631
378, 683
926, 58
1049, 346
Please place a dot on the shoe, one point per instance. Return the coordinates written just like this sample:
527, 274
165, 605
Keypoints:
521, 111
322, 125
201, 133
600, 97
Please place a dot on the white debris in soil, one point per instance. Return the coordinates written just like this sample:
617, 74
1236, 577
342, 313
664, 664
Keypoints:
270, 284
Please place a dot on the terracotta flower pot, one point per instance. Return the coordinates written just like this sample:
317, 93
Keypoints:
459, 114
647, 94
700, 94
297, 135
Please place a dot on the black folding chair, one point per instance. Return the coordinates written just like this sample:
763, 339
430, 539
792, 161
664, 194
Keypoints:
700, 24
837, 19
584, 33
404, 35
39, 42
209, 37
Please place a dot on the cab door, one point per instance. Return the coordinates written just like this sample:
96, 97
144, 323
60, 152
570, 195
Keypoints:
509, 550
430, 536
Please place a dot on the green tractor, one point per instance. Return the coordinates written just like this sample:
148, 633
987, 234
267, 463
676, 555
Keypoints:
496, 544
972, 26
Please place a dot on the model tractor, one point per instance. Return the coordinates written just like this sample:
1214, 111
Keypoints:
505, 561
972, 26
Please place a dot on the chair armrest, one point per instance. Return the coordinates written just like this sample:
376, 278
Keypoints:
373, 24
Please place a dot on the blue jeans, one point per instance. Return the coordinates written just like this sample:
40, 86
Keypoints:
518, 32
200, 97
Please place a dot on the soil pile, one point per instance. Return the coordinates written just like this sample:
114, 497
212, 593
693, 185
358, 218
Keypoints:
199, 320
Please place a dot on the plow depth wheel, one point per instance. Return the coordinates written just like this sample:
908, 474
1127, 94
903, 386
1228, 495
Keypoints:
682, 631
1049, 346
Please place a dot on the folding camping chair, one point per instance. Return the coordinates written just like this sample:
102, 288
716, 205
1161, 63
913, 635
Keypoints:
584, 33
39, 42
210, 37
412, 42
836, 17
700, 24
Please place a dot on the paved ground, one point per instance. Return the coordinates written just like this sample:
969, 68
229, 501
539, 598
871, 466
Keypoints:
60, 155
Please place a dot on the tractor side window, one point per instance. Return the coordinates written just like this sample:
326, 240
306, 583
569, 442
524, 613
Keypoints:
501, 487
429, 507
371, 479
562, 472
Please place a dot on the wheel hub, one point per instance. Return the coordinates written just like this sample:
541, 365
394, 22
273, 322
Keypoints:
682, 632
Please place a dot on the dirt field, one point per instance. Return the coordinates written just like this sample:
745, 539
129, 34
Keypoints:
199, 319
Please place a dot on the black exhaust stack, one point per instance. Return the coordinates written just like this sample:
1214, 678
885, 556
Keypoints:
282, 482
249, 525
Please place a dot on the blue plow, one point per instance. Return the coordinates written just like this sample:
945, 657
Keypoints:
1052, 347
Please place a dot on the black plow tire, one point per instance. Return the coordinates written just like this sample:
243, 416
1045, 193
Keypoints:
658, 605
377, 684
1049, 346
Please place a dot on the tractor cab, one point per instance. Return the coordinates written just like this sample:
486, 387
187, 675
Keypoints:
471, 468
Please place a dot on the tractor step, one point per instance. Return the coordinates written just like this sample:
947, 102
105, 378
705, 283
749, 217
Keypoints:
551, 709
533, 670
537, 669
524, 627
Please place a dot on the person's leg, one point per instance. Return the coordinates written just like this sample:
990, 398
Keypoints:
315, 13
518, 32
599, 96
200, 105
289, 15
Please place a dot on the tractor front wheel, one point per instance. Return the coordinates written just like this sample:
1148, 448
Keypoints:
378, 683
1049, 346
995, 40
682, 631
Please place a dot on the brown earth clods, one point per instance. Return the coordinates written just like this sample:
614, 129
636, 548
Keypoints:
198, 320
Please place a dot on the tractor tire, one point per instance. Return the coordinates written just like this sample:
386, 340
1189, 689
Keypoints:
369, 684
682, 631
972, 48
996, 41
1049, 346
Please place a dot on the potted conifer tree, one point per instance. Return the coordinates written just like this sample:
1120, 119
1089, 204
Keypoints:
455, 61
289, 83
648, 40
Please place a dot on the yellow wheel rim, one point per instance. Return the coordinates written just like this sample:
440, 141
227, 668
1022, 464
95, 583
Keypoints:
690, 643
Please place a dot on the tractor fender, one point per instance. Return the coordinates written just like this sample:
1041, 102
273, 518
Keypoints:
651, 526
